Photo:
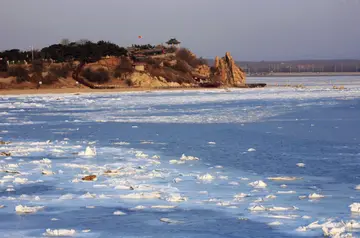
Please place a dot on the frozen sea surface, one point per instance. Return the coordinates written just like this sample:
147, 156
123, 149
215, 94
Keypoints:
247, 182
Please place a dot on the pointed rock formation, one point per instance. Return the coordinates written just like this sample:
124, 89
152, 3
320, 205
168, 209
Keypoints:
228, 72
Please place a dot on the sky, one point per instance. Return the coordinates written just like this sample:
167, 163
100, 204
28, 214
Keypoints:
252, 30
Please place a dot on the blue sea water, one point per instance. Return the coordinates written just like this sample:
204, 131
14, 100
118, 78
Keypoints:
316, 126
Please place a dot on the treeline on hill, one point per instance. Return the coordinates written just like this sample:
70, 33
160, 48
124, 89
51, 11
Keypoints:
66, 51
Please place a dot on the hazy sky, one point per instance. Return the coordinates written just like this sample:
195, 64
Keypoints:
249, 29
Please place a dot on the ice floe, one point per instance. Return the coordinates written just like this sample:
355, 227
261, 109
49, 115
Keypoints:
60, 232
25, 209
258, 184
89, 151
355, 207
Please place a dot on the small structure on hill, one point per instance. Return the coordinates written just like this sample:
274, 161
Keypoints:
173, 43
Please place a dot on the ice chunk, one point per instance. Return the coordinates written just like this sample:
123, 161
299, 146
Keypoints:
251, 150
270, 196
163, 207
206, 177
212, 143
258, 184
139, 207
85, 231
151, 195
176, 198
59, 232
47, 172
286, 192
333, 232
355, 207
283, 178
176, 162
283, 186
66, 197
89, 151
241, 196
24, 209
20, 180
315, 196
301, 165
188, 158
275, 223
357, 187
119, 213
88, 195
156, 157
272, 209
302, 229
140, 154
352, 225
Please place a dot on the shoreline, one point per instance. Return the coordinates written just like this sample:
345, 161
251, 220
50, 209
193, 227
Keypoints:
305, 74
15, 92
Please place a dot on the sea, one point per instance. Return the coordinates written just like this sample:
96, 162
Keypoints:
262, 162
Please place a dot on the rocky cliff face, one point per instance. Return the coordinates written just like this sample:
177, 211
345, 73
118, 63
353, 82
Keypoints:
228, 72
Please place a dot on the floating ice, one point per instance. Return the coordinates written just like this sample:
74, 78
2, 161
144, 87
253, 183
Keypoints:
20, 180
355, 207
188, 158
275, 223
211, 143
139, 207
270, 196
119, 213
206, 177
272, 209
315, 196
357, 187
140, 154
59, 232
163, 207
286, 192
301, 165
155, 157
152, 195
174, 161
351, 225
241, 196
121, 143
258, 184
89, 151
333, 232
66, 197
24, 209
251, 150
47, 172
283, 178
176, 198
88, 195
85, 231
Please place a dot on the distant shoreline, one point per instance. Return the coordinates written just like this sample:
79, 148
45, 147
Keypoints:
305, 74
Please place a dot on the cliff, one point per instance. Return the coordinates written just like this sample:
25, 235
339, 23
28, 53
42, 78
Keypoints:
228, 72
